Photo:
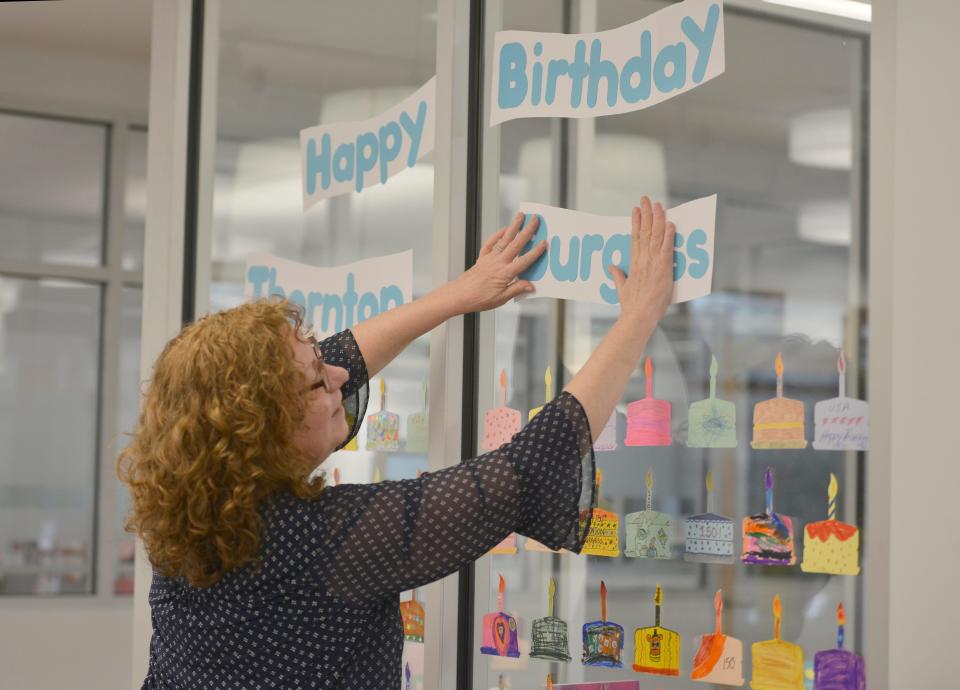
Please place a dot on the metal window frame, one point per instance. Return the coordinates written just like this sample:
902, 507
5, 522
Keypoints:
112, 279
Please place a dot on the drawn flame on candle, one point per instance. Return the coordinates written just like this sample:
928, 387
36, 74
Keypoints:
777, 613
603, 601
548, 380
709, 482
832, 490
503, 387
658, 595
648, 370
599, 479
549, 682
383, 394
718, 609
406, 672
500, 594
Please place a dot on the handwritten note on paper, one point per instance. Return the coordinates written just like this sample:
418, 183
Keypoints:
350, 156
617, 71
582, 246
337, 297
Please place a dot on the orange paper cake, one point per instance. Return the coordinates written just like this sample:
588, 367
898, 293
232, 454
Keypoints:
778, 423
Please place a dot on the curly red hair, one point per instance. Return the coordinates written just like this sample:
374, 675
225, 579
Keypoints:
215, 438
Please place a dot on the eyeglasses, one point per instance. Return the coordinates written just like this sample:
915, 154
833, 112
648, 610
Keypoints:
322, 381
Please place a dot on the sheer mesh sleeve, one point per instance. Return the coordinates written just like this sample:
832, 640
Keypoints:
392, 536
341, 350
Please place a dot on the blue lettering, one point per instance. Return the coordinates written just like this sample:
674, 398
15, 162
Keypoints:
568, 271
556, 69
258, 275
390, 293
367, 152
591, 244
415, 131
539, 267
314, 301
350, 299
697, 254
702, 40
389, 151
343, 163
512, 88
275, 290
675, 56
619, 244
368, 307
679, 260
638, 65
578, 71
600, 69
537, 85
318, 164
332, 303
296, 296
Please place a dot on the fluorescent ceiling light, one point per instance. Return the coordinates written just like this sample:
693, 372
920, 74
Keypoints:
840, 8
822, 138
825, 222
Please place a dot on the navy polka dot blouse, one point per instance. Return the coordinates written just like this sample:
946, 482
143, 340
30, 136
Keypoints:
323, 610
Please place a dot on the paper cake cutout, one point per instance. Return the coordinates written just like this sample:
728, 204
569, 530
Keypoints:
648, 420
657, 649
412, 615
712, 422
598, 685
500, 423
607, 440
549, 637
709, 537
830, 546
839, 669
500, 635
418, 433
768, 537
648, 532
507, 547
533, 545
383, 428
548, 380
603, 539
778, 423
719, 657
777, 665
603, 639
841, 423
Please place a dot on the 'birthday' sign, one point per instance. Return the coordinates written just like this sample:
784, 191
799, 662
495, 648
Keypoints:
349, 156
617, 71
582, 246
333, 298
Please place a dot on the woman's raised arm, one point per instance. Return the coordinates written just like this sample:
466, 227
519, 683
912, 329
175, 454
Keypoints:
489, 283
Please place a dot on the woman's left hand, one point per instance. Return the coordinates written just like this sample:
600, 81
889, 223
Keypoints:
492, 281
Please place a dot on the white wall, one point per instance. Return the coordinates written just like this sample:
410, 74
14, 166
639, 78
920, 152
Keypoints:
915, 329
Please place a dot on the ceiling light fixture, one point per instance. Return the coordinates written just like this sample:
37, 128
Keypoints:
851, 9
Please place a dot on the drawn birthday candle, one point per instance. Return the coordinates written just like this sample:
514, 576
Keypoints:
406, 674
648, 532
500, 634
603, 539
336, 476
607, 440
500, 423
830, 546
412, 616
709, 537
648, 420
603, 639
841, 423
657, 649
548, 380
383, 428
768, 537
719, 657
778, 423
549, 636
777, 664
839, 669
712, 422
417, 430
549, 681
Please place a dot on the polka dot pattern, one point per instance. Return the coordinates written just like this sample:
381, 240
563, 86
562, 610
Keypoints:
323, 609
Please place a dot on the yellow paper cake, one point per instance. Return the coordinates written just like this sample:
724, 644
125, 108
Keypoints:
777, 665
831, 547
604, 536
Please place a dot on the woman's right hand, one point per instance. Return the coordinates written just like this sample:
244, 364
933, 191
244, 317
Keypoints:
646, 292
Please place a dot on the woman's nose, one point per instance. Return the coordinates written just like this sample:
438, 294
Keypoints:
338, 376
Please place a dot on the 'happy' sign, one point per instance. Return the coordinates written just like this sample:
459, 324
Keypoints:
350, 156
582, 246
617, 71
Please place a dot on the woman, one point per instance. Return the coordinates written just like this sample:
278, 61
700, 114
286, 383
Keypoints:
263, 579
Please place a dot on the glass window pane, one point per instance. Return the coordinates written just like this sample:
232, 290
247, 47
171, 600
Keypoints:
49, 374
787, 279
135, 201
52, 176
128, 408
284, 68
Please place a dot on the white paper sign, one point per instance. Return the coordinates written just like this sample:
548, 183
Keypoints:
351, 156
616, 71
581, 247
333, 298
